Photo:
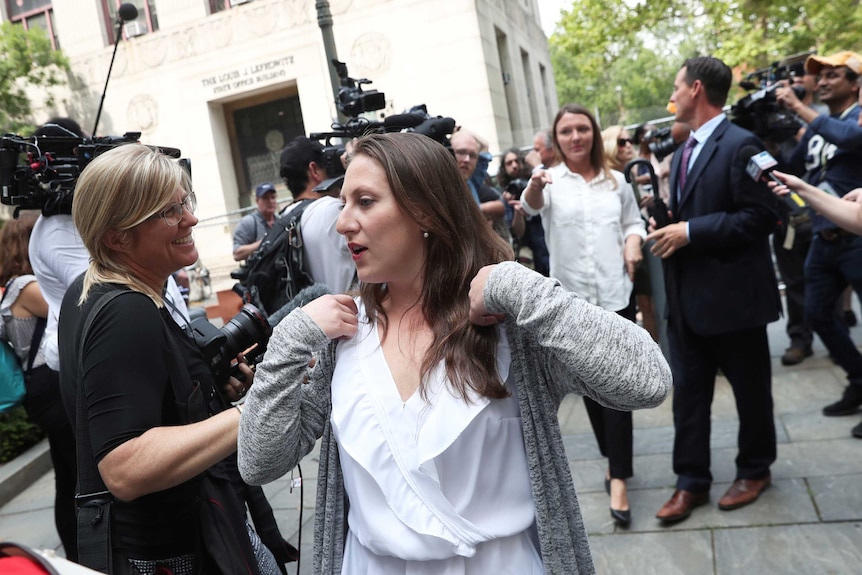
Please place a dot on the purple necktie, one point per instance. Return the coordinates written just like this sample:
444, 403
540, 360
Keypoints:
683, 165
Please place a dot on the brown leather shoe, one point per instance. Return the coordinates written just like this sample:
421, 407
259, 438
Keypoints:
681, 504
743, 492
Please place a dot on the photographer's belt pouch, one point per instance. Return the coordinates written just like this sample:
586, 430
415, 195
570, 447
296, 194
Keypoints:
94, 530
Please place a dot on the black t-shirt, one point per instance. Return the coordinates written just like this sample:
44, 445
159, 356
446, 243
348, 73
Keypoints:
128, 391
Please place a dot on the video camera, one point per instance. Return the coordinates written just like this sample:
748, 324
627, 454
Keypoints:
661, 142
40, 172
352, 101
759, 112
516, 187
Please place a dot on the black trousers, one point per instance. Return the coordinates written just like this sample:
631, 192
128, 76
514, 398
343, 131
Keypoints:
791, 266
743, 356
45, 408
612, 428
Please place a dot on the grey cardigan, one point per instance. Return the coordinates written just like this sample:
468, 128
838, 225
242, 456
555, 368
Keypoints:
560, 344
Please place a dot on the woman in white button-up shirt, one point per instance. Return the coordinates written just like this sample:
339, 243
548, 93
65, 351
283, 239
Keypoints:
594, 234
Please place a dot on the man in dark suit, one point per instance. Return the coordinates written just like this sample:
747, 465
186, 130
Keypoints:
721, 291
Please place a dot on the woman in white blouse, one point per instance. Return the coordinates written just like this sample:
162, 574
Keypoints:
435, 391
594, 234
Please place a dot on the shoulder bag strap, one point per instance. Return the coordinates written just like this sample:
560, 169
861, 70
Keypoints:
92, 498
35, 343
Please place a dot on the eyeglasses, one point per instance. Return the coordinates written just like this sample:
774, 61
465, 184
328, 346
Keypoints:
173, 214
623, 141
465, 154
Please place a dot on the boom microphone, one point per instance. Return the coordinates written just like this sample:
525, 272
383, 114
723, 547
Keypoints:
127, 12
305, 296
760, 167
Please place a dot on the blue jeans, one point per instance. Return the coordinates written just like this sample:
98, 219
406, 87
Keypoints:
829, 269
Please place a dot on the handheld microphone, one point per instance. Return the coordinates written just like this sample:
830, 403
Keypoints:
760, 166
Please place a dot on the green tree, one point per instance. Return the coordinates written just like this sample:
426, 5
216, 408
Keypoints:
639, 46
26, 61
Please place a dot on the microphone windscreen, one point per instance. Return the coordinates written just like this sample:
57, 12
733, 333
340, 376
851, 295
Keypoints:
305, 296
403, 120
127, 12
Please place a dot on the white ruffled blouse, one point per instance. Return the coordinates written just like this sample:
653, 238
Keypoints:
435, 487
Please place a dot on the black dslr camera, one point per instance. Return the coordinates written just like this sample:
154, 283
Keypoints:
352, 101
248, 331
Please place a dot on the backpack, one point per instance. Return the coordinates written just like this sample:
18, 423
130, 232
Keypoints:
276, 272
12, 377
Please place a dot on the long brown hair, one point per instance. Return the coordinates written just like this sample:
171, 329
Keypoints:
597, 153
427, 185
15, 239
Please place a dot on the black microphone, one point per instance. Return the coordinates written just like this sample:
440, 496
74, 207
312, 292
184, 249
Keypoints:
760, 167
401, 121
127, 12
305, 296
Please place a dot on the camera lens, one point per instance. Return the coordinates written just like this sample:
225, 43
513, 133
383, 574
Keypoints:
244, 330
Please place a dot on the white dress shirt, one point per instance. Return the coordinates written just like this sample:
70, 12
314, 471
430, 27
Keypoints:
586, 224
436, 486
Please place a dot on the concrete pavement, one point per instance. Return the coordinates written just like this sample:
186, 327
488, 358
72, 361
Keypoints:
808, 522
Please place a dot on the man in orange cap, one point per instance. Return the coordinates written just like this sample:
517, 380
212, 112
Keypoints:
831, 152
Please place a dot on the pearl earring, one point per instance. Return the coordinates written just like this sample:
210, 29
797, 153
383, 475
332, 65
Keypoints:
425, 235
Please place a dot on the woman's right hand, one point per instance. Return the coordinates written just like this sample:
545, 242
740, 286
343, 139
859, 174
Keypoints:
539, 180
791, 184
336, 315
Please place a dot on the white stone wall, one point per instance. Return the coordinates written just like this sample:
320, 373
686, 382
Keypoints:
172, 85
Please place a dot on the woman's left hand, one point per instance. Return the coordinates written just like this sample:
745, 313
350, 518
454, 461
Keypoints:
236, 389
632, 254
478, 312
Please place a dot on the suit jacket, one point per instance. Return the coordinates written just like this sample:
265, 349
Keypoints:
723, 281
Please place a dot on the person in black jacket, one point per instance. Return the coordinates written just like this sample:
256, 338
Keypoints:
721, 291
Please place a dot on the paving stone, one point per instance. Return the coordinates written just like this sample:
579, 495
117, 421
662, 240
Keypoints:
838, 497
813, 426
683, 553
34, 528
819, 458
815, 549
40, 497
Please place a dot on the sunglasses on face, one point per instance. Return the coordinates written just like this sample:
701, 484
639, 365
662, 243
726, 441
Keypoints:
621, 142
